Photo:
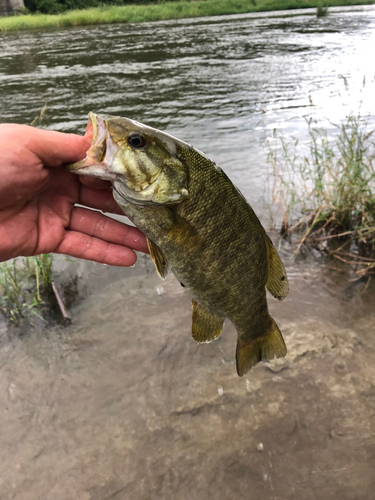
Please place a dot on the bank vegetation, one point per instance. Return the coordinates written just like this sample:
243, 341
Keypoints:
59, 13
325, 196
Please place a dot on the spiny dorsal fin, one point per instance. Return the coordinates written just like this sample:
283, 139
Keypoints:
250, 351
277, 282
161, 264
206, 325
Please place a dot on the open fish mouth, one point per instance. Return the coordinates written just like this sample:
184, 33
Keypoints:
100, 154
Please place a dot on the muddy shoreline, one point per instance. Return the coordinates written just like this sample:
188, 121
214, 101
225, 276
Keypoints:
123, 404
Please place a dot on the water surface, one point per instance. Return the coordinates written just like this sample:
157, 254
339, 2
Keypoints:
220, 83
122, 404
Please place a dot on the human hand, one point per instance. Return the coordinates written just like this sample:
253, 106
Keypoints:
37, 198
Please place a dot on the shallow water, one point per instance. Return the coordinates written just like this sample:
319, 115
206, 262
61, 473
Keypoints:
122, 403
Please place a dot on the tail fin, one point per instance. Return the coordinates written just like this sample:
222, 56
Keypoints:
250, 351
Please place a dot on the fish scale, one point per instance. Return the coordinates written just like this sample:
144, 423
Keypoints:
198, 226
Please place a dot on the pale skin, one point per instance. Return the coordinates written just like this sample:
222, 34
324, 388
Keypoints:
37, 201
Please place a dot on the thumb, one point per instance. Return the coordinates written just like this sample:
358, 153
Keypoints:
54, 149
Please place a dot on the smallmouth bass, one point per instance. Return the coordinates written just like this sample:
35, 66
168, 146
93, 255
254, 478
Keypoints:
199, 226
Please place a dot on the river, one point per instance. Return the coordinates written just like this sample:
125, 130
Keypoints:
221, 84
122, 403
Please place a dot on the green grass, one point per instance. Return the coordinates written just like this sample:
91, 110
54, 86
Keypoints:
25, 287
321, 10
160, 11
327, 196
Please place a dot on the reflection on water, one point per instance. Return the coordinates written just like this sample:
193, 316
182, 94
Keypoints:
218, 83
123, 404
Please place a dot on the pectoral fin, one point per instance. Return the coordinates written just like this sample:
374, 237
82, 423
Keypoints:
161, 264
277, 282
252, 350
206, 325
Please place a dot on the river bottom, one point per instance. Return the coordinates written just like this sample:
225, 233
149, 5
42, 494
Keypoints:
123, 404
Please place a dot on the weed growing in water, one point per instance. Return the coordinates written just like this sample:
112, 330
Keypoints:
321, 10
329, 194
40, 269
25, 287
40, 119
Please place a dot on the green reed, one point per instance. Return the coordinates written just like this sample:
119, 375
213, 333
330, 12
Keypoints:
321, 10
328, 195
25, 287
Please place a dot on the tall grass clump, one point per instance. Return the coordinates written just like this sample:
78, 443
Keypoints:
328, 195
321, 10
25, 287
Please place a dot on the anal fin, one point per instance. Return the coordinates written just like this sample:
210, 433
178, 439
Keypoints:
206, 325
263, 348
161, 264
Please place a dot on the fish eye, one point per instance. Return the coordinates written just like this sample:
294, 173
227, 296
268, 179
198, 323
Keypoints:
136, 140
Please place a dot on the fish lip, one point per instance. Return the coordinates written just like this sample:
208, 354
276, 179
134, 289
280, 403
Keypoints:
93, 120
93, 164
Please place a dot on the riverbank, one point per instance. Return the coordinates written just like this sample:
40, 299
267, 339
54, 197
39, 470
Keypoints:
162, 11
124, 404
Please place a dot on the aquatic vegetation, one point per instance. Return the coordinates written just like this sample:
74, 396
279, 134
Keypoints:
321, 10
328, 195
40, 268
25, 287
51, 16
40, 119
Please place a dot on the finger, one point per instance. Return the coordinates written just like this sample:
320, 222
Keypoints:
94, 182
87, 247
100, 199
53, 148
96, 224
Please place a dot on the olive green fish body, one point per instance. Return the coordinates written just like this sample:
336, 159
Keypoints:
213, 242
201, 228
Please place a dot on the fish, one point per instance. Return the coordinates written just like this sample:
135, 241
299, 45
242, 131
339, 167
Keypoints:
198, 226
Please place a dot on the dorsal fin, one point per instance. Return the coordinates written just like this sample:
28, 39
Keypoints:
277, 282
161, 264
